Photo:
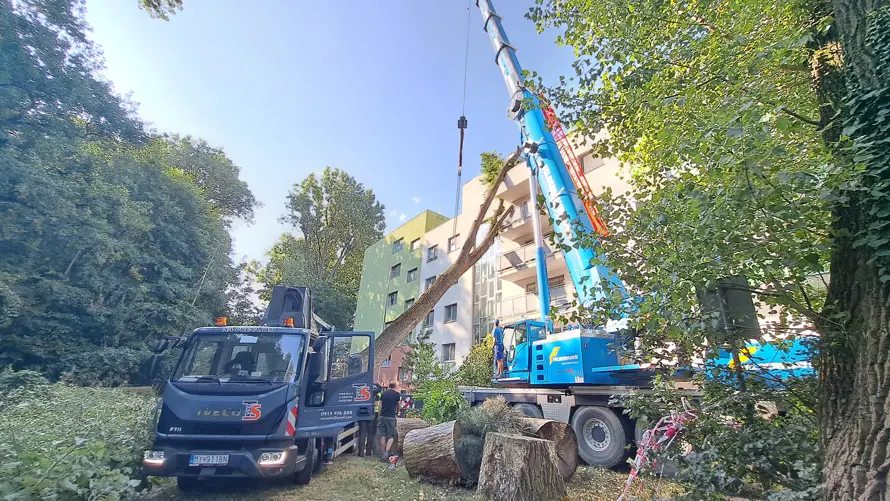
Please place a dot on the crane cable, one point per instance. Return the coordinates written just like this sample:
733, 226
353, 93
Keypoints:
462, 125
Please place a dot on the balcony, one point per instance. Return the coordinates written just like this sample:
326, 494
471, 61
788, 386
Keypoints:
519, 227
518, 264
526, 305
515, 186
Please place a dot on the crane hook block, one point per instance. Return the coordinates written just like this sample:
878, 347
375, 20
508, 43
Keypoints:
462, 122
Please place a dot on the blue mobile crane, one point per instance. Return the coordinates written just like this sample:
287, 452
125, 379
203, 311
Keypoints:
571, 376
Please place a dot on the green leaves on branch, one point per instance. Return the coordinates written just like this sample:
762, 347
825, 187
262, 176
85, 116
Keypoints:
109, 237
335, 219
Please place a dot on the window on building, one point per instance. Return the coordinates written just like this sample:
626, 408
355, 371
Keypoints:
404, 374
408, 303
392, 298
452, 243
430, 318
395, 271
559, 281
448, 352
451, 313
591, 163
429, 282
432, 253
398, 245
412, 275
525, 209
415, 244
387, 362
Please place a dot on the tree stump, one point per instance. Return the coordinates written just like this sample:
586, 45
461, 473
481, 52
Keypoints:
565, 440
430, 454
403, 426
517, 468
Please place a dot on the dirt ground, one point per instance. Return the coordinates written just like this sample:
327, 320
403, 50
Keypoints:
363, 479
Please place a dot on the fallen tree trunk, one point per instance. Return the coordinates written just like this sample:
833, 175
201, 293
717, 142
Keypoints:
564, 439
517, 468
430, 454
403, 426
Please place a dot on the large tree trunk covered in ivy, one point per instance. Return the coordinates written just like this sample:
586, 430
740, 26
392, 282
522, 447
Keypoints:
855, 366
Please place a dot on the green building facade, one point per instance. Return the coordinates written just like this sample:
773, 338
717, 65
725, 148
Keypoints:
391, 273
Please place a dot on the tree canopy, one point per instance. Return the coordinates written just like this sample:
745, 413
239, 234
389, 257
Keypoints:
110, 237
751, 131
335, 219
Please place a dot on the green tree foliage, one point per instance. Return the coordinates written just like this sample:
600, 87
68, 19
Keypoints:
336, 219
434, 382
69, 443
243, 299
161, 9
478, 366
109, 238
490, 166
756, 135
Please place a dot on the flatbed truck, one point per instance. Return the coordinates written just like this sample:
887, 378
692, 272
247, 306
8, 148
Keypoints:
259, 401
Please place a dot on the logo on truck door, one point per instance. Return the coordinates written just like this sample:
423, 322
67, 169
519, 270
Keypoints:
362, 392
252, 410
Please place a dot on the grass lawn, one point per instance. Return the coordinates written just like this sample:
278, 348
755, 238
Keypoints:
361, 479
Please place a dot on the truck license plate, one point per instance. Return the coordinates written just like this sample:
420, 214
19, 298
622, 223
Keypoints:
208, 459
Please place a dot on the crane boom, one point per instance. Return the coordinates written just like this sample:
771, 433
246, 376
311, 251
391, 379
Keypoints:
549, 168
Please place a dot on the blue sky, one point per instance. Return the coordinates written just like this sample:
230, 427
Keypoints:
288, 87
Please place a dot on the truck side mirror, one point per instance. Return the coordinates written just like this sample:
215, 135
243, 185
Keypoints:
149, 368
319, 343
160, 346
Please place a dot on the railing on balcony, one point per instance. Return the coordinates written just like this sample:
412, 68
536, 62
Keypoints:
520, 258
521, 215
527, 303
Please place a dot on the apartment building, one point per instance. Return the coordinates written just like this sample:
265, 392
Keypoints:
501, 285
389, 284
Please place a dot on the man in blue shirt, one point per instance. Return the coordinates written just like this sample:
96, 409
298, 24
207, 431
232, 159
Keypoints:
498, 335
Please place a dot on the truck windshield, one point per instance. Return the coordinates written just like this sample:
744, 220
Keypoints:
242, 358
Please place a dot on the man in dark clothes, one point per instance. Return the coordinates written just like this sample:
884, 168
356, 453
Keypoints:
386, 423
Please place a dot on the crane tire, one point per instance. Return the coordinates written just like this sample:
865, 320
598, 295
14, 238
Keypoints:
602, 438
530, 410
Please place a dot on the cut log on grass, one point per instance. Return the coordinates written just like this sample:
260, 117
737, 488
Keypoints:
430, 454
565, 440
517, 468
403, 426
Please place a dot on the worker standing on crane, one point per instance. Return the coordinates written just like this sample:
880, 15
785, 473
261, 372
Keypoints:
498, 334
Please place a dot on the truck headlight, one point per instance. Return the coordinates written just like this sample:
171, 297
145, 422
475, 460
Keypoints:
153, 457
272, 458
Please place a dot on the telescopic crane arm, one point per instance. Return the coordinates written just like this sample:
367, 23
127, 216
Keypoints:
559, 185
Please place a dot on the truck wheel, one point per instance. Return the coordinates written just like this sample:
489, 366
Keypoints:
601, 436
530, 410
303, 476
187, 484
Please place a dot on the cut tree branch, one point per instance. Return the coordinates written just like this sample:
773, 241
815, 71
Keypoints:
404, 324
